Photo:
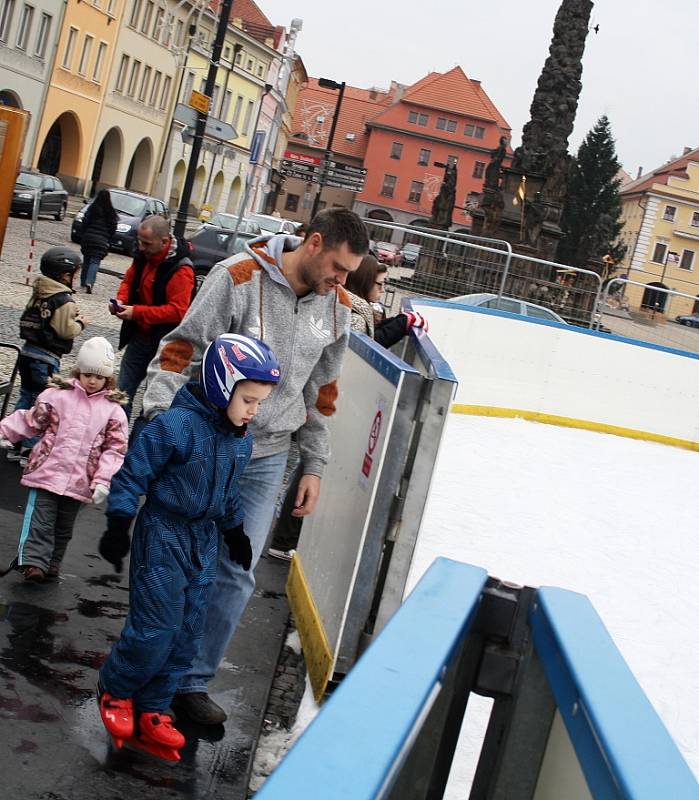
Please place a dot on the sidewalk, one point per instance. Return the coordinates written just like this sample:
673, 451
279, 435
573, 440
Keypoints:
54, 637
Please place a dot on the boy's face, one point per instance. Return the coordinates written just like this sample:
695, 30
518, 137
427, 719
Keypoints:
246, 400
66, 278
92, 383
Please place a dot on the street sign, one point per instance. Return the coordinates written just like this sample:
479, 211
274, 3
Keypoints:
310, 168
215, 128
349, 187
200, 102
309, 177
256, 147
346, 177
291, 155
344, 168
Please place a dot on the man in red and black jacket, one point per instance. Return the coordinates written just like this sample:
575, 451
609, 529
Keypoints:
153, 298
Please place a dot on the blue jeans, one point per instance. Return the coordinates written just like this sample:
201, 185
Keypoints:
259, 488
88, 274
137, 356
34, 376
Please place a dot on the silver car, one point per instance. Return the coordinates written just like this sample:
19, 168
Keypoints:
511, 304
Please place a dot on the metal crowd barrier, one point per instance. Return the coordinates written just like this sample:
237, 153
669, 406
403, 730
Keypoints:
568, 718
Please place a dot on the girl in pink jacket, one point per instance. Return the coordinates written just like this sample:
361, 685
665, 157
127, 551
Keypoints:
84, 434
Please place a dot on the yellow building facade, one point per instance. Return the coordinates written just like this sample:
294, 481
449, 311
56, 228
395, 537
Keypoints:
660, 213
76, 90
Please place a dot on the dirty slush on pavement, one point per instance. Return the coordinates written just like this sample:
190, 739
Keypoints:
54, 636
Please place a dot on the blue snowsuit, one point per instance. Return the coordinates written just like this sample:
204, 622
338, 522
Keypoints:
188, 465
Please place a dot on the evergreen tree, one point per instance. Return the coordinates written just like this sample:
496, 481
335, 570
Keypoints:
592, 209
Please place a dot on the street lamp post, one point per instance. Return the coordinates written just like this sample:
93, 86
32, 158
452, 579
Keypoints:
181, 221
326, 83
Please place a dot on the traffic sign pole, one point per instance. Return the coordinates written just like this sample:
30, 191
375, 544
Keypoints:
216, 50
328, 152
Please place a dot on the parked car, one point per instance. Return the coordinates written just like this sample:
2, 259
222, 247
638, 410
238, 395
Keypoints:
228, 221
212, 244
53, 198
387, 253
690, 320
272, 224
511, 304
132, 208
410, 254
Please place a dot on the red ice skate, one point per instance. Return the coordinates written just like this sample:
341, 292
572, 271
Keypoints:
157, 735
117, 716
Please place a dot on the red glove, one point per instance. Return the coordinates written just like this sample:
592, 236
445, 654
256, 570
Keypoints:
415, 320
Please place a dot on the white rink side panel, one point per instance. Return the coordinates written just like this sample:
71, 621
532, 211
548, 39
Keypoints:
509, 366
609, 517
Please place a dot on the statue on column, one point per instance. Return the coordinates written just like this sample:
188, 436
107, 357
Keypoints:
494, 168
443, 205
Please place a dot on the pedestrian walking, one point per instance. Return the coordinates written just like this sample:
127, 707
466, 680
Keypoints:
187, 462
151, 300
99, 226
288, 292
364, 288
82, 433
48, 325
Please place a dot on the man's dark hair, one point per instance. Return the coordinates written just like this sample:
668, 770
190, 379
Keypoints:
340, 226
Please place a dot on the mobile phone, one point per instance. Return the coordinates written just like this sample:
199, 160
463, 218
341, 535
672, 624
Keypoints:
116, 304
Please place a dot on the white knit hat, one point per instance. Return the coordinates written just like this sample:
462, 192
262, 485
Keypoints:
96, 356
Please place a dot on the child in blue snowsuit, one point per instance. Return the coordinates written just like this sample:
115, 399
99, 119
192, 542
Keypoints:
187, 463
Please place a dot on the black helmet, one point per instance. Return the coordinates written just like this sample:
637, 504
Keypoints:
58, 260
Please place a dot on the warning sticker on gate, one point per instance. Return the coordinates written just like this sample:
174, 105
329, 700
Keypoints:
373, 444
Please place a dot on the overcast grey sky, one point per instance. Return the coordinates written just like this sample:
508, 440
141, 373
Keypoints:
639, 69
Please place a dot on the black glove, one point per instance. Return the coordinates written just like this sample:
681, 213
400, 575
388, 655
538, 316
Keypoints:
239, 547
115, 542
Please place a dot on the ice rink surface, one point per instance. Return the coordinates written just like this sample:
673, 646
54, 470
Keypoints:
612, 518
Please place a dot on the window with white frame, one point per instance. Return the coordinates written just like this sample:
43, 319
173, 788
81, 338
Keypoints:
8, 11
145, 81
687, 260
99, 62
239, 57
422, 120
478, 169
135, 13
396, 150
226, 107
423, 158
42, 36
248, 117
389, 185
416, 189
695, 219
659, 253
155, 88
238, 109
179, 33
147, 17
412, 117
669, 213
110, 7
85, 55
164, 97
121, 75
188, 86
469, 129
25, 26
133, 78
479, 132
158, 24
70, 46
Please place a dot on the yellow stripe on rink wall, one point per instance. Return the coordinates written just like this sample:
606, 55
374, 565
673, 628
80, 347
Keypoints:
316, 648
571, 422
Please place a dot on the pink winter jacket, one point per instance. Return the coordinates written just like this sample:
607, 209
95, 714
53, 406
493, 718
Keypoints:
83, 438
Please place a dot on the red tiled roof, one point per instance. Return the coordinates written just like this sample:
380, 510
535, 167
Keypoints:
455, 93
677, 167
358, 106
250, 12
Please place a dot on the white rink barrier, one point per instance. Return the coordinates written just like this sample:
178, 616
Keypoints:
513, 366
349, 571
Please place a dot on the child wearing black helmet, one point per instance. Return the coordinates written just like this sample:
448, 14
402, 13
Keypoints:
49, 324
187, 463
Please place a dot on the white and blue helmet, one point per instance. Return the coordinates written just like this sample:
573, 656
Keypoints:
231, 358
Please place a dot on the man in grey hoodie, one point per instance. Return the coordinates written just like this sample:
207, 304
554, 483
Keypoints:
287, 292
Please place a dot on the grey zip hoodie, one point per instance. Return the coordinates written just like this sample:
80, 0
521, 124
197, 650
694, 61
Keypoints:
247, 294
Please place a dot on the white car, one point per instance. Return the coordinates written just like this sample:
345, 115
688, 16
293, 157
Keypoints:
511, 304
272, 224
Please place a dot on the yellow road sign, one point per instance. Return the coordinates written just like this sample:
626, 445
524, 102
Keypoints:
200, 102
